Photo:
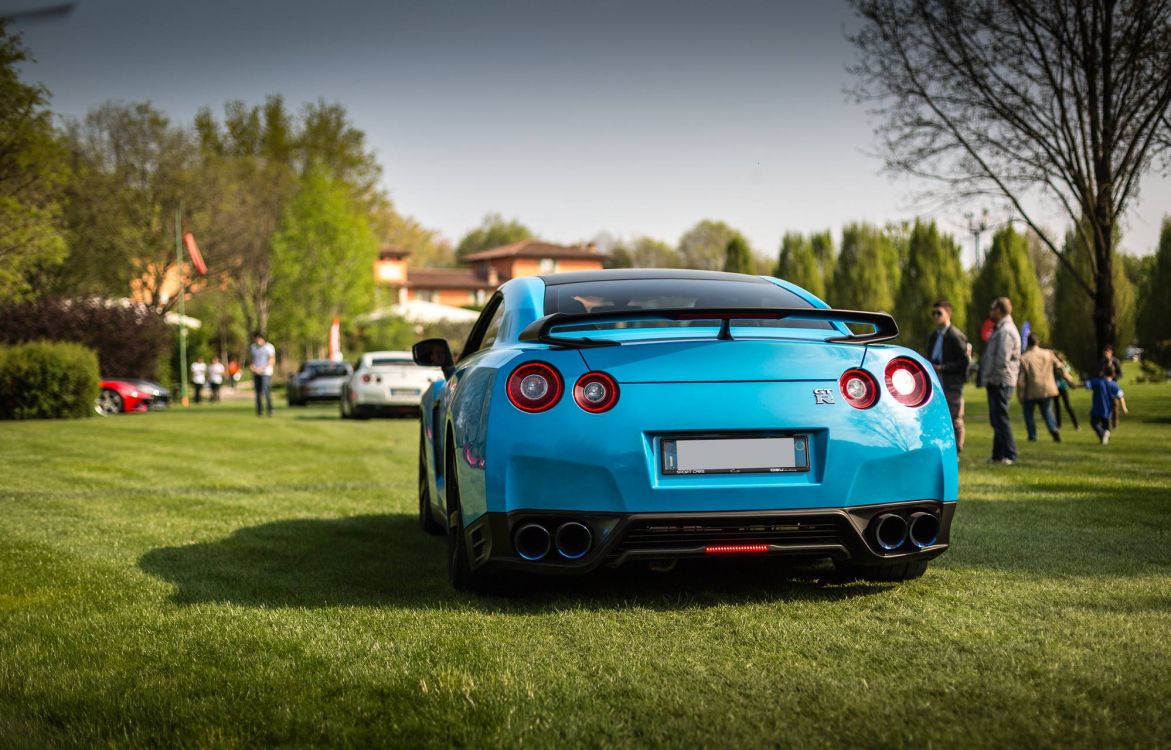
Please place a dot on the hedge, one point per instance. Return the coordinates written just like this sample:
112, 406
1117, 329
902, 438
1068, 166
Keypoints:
131, 340
47, 380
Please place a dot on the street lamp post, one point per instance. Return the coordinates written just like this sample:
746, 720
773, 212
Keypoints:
977, 227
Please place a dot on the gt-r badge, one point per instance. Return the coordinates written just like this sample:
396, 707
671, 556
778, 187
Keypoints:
823, 396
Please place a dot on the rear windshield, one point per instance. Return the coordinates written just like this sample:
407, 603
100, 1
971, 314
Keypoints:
392, 362
329, 371
593, 297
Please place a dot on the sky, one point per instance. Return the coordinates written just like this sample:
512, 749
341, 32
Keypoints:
576, 118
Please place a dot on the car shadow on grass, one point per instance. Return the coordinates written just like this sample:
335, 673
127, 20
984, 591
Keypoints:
386, 560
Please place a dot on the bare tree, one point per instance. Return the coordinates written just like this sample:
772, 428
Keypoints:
1064, 100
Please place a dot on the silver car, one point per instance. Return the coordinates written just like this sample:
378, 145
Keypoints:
317, 380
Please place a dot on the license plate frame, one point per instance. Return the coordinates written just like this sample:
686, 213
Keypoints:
708, 454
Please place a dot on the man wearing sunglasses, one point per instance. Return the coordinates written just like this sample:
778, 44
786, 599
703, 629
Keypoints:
947, 349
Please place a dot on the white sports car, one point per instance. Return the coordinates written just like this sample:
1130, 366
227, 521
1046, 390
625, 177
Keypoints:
386, 383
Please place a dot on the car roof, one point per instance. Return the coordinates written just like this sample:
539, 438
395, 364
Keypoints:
632, 274
408, 355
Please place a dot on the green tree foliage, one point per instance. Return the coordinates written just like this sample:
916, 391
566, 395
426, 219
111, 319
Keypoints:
705, 245
1007, 272
493, 231
933, 271
865, 271
1154, 318
322, 258
643, 252
827, 257
31, 177
798, 263
738, 256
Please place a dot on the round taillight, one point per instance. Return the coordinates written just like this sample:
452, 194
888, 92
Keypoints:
366, 377
907, 381
596, 392
534, 386
859, 388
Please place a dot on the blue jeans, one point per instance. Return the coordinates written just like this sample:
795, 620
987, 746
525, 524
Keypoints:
1046, 406
262, 384
1003, 444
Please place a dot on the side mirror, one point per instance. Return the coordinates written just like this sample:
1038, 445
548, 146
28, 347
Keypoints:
434, 353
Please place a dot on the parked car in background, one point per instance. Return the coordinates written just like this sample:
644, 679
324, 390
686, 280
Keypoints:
386, 383
120, 395
317, 380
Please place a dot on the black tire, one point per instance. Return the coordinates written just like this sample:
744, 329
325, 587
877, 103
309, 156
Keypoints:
427, 520
459, 571
359, 412
108, 402
905, 570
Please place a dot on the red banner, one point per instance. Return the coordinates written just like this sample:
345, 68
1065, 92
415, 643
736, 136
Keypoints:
193, 251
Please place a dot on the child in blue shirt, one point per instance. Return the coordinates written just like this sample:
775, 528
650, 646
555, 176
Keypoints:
1104, 392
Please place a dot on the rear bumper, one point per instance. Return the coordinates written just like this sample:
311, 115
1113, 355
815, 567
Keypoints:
845, 534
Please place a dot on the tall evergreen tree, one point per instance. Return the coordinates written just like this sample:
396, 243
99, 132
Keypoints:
933, 271
1007, 273
738, 256
865, 269
1154, 318
827, 257
797, 263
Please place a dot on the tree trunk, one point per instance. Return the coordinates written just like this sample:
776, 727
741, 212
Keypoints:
1104, 328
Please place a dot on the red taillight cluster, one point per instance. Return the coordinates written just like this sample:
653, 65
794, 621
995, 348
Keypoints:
859, 388
906, 381
366, 377
596, 392
537, 387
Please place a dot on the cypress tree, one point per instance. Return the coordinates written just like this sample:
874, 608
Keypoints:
1154, 318
738, 256
798, 264
1007, 272
865, 269
933, 271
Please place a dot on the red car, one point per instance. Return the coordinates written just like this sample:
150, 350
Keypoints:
120, 395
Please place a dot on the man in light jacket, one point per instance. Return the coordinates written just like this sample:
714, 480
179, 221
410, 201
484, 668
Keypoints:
998, 372
1037, 387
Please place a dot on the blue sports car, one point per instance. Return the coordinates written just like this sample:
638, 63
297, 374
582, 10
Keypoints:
602, 418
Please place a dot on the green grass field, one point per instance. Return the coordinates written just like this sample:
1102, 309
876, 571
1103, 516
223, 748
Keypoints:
207, 578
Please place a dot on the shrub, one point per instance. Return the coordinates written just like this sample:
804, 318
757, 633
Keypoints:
130, 340
47, 380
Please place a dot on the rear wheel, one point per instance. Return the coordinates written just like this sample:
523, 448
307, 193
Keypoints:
459, 570
427, 520
109, 402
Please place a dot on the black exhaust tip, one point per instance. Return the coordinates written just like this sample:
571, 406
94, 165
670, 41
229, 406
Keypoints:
573, 540
890, 531
532, 541
923, 529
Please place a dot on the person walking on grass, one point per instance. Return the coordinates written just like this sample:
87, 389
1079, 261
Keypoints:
947, 348
1064, 379
998, 372
1106, 395
1036, 387
215, 378
198, 378
263, 355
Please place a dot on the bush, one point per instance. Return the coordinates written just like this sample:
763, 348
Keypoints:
130, 340
47, 380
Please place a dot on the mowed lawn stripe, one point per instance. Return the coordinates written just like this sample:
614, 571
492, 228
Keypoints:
206, 578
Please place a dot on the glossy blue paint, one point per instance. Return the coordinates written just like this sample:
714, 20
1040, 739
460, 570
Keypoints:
570, 459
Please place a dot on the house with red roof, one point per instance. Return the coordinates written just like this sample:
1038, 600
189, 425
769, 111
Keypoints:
485, 271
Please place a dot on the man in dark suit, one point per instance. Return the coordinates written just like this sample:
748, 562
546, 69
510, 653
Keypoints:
950, 354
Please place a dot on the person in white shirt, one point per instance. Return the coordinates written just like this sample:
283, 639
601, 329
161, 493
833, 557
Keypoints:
198, 377
263, 356
215, 376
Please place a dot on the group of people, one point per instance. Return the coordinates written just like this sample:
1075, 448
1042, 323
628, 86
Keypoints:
1038, 377
204, 374
262, 360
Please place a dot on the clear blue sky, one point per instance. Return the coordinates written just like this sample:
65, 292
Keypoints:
575, 117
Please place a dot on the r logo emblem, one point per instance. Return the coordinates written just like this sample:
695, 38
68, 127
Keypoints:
823, 396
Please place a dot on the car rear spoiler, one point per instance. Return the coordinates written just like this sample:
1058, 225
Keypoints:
538, 331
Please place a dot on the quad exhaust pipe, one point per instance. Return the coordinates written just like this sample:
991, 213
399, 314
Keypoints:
572, 541
892, 531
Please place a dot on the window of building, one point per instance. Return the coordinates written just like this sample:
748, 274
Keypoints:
548, 265
425, 295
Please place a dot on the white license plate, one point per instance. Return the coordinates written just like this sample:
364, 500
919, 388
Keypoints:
734, 455
405, 391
